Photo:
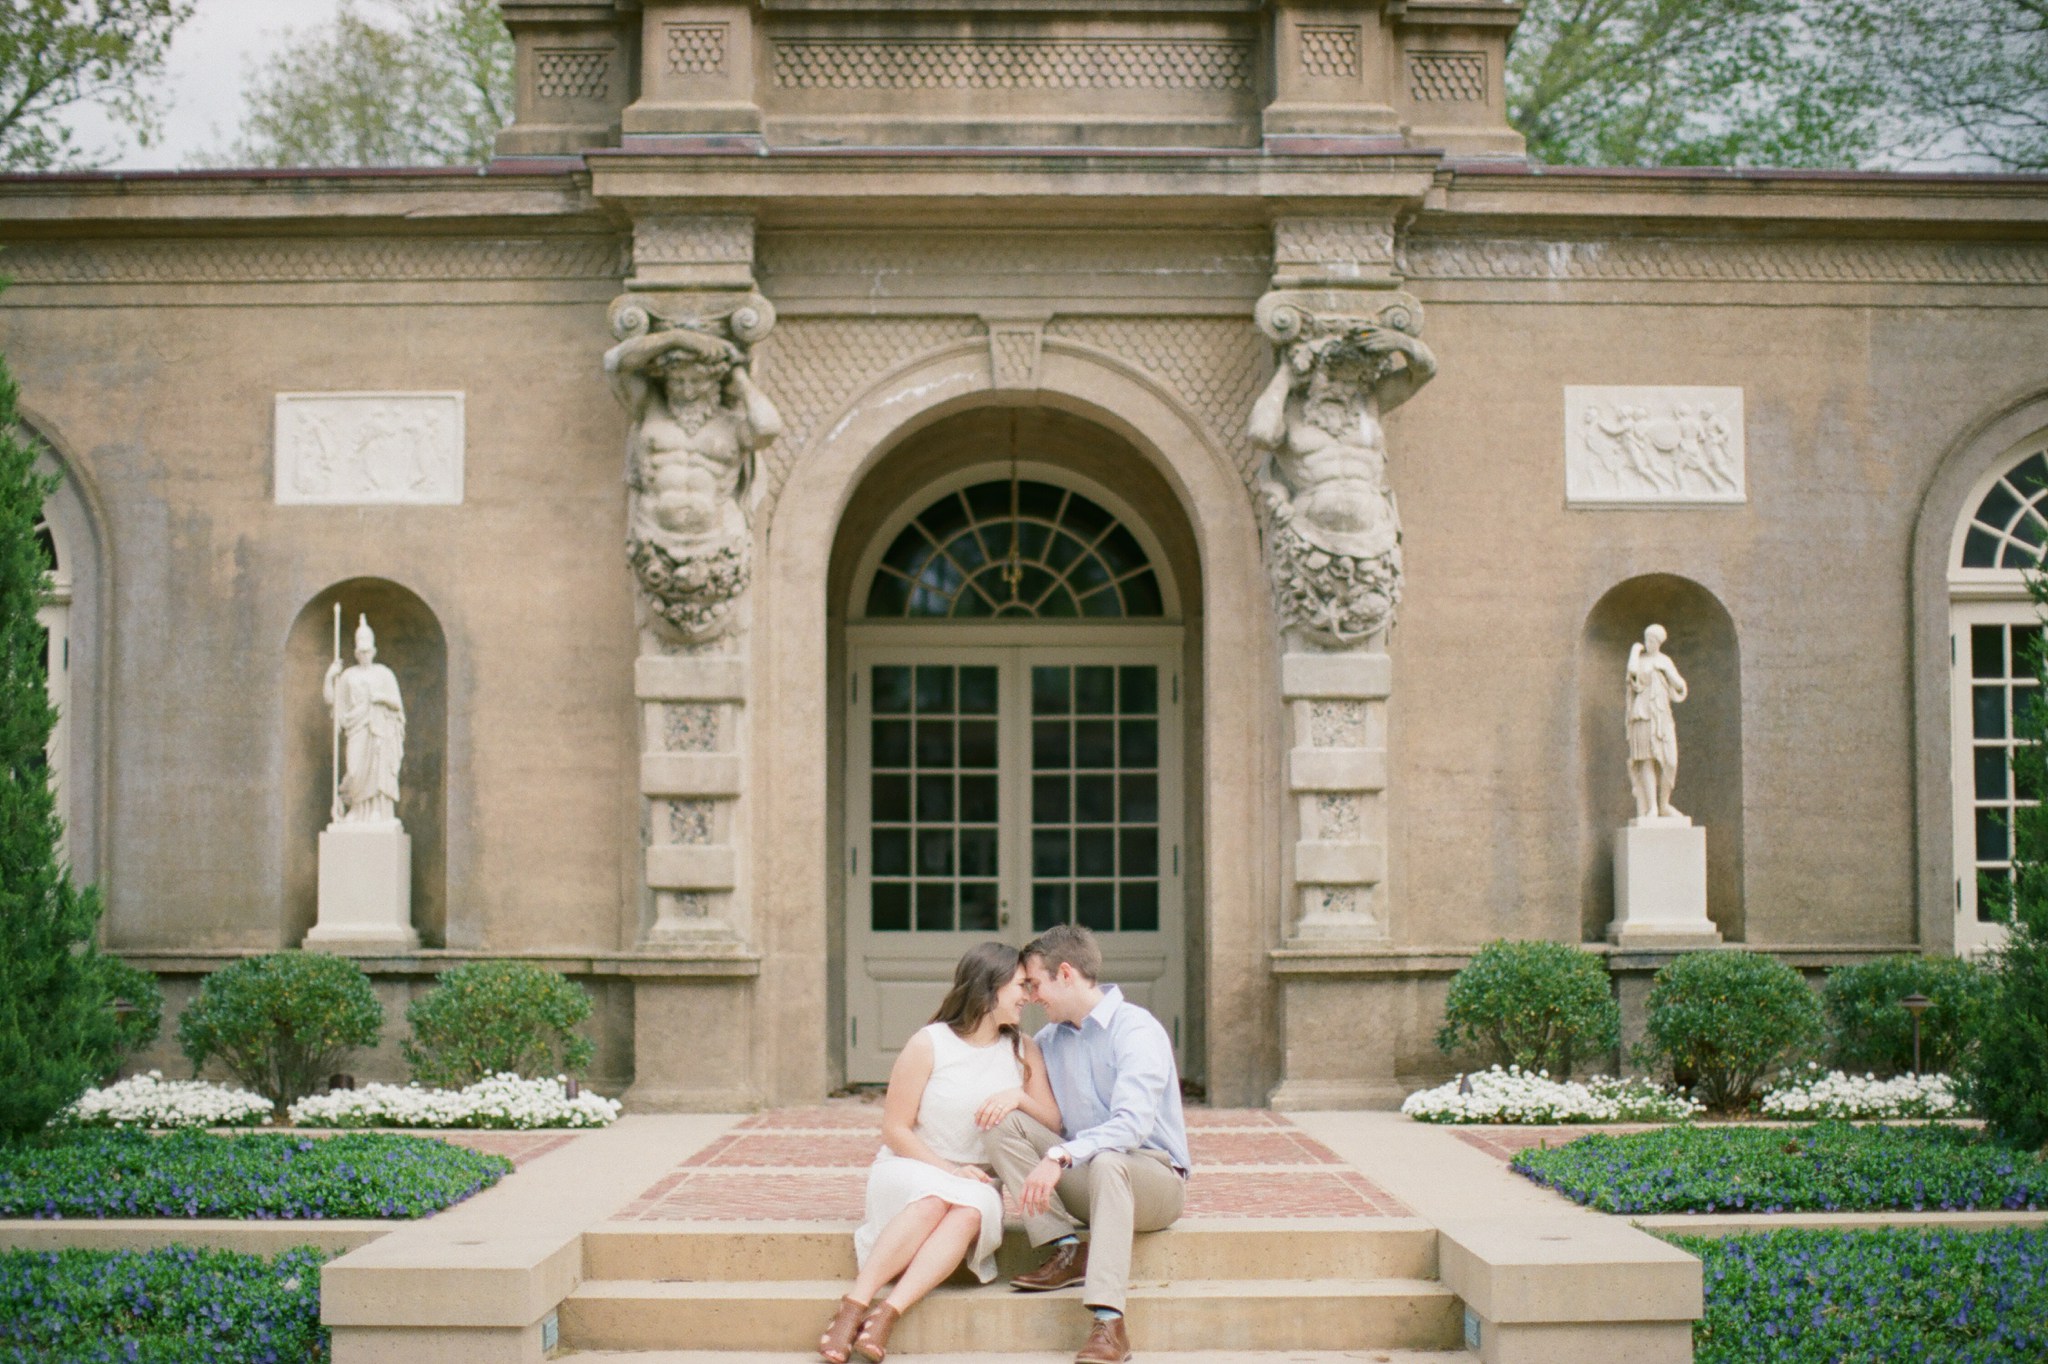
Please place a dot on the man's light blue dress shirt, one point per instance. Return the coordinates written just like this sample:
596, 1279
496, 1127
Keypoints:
1116, 1083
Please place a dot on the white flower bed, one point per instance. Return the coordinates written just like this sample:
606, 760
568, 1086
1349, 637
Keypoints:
499, 1101
1518, 1096
1838, 1095
152, 1101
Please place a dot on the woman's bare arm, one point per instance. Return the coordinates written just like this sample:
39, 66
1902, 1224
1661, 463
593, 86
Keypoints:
907, 1079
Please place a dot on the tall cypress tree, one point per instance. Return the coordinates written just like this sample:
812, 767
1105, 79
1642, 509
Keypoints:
57, 1026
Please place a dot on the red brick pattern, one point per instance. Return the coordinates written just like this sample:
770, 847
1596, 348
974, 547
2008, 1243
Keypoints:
810, 1165
1504, 1143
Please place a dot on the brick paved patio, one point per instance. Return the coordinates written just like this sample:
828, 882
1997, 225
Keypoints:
810, 1165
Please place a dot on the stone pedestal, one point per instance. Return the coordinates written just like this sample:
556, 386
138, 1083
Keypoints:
1660, 885
365, 890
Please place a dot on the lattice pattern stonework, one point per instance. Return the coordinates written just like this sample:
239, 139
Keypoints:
1215, 365
572, 73
312, 260
697, 49
1329, 53
1447, 77
1019, 64
1698, 258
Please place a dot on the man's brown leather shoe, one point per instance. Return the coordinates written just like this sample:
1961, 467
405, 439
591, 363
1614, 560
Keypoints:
1068, 1265
1107, 1343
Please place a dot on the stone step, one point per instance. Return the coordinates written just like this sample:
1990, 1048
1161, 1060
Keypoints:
1187, 1314
1243, 1248
1394, 1356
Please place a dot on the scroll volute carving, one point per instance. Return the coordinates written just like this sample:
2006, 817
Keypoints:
698, 424
1333, 532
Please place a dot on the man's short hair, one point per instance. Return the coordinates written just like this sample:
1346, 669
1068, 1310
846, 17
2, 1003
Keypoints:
1072, 944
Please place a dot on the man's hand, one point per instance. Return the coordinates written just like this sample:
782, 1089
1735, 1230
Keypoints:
1000, 1105
1036, 1195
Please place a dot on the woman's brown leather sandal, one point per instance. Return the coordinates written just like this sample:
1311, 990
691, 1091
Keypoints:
873, 1340
837, 1342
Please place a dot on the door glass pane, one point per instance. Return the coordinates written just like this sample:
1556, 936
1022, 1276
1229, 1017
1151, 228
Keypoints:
2002, 661
1095, 858
933, 835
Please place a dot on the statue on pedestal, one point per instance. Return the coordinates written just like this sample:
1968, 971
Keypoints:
1653, 687
698, 422
1333, 530
369, 723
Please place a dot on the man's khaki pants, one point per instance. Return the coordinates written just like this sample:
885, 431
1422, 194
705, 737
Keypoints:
1115, 1195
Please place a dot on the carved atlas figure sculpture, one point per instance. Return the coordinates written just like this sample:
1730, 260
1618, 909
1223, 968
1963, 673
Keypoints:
1334, 533
369, 725
697, 423
1653, 687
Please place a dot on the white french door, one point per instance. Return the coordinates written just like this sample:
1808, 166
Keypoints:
994, 790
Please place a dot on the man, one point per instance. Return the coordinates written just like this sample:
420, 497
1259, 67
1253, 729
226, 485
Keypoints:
1121, 1165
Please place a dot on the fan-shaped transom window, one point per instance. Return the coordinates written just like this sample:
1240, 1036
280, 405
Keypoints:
1016, 548
2010, 525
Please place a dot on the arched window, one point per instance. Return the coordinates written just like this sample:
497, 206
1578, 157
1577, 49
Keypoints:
1995, 643
1016, 548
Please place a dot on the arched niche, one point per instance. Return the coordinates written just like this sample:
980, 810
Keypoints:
1702, 642
75, 549
410, 643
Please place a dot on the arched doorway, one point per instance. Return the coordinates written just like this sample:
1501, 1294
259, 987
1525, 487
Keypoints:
1994, 650
1018, 691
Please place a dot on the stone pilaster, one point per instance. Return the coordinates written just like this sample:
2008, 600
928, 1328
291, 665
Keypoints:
681, 368
1337, 777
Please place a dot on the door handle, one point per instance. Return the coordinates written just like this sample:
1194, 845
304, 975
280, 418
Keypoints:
1002, 914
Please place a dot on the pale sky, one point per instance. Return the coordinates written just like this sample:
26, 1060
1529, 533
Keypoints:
203, 79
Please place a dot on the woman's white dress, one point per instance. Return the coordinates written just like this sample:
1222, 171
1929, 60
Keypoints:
963, 1077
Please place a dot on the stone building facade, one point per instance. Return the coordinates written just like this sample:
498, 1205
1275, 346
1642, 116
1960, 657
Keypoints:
850, 480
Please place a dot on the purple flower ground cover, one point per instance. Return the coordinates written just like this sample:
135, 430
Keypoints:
169, 1306
1890, 1295
1823, 1167
118, 1173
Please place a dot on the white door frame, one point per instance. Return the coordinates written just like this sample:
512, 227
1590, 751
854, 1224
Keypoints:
894, 979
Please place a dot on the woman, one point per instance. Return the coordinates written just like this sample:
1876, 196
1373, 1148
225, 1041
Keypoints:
932, 1203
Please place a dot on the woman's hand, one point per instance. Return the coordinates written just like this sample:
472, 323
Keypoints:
998, 1106
973, 1172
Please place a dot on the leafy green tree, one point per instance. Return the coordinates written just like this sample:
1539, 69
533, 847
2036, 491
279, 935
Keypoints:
1844, 83
57, 1028
58, 55
403, 83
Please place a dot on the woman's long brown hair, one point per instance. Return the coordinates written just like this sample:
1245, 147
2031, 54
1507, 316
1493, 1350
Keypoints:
980, 973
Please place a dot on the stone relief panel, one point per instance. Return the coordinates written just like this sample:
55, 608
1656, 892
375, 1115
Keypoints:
355, 449
580, 73
1633, 447
1447, 77
697, 49
1330, 51
1018, 63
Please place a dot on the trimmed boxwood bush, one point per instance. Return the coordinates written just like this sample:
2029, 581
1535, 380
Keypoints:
170, 1306
1890, 1293
281, 1024
1868, 1033
489, 1017
1537, 1005
1827, 1167
1721, 1022
96, 1172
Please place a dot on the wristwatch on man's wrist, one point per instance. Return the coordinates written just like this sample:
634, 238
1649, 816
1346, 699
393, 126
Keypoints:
1060, 1156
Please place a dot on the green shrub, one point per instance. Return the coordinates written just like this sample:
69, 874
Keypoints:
1723, 1021
282, 1023
56, 1031
1537, 1005
488, 1017
1870, 1033
137, 1029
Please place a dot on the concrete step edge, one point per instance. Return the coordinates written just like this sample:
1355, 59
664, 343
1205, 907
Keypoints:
826, 1292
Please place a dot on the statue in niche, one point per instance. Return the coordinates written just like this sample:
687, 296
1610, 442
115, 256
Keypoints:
1333, 531
369, 724
1654, 686
698, 423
